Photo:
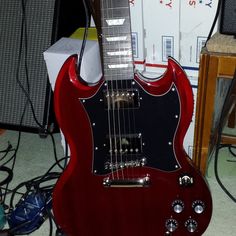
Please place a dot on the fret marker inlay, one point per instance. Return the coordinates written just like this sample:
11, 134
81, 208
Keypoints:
120, 53
115, 22
116, 66
114, 39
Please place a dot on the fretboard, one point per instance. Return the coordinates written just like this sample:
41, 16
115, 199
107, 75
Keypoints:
116, 40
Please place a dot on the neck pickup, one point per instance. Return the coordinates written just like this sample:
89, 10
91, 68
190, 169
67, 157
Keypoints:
121, 99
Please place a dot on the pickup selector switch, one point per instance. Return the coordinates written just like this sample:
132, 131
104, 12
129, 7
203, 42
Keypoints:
178, 206
186, 180
171, 225
198, 206
191, 225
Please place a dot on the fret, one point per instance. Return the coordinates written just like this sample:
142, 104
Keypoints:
111, 68
117, 59
118, 30
114, 3
116, 63
116, 13
116, 38
119, 53
118, 73
118, 66
116, 46
119, 76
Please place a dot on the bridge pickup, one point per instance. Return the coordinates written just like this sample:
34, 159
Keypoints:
127, 183
125, 144
121, 99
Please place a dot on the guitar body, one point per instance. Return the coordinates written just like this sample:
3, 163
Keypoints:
128, 174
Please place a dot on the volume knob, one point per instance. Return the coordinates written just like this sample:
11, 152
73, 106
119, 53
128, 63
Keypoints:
198, 206
171, 225
191, 225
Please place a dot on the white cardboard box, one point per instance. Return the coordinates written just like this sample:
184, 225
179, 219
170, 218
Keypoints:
196, 19
137, 28
161, 23
56, 55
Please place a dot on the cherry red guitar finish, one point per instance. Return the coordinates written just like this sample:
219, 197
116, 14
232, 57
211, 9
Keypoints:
173, 201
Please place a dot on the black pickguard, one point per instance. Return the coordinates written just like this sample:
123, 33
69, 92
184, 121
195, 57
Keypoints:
155, 119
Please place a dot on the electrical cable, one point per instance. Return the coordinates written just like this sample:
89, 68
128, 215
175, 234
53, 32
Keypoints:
214, 21
6, 151
50, 222
231, 147
84, 37
13, 157
9, 177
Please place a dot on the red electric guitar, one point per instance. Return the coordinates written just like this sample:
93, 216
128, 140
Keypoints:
128, 174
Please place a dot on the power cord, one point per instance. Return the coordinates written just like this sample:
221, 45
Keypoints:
84, 37
214, 21
231, 147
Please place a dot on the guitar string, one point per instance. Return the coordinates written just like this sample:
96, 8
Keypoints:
117, 103
112, 116
107, 95
113, 105
124, 146
116, 121
131, 117
124, 96
133, 105
113, 94
126, 90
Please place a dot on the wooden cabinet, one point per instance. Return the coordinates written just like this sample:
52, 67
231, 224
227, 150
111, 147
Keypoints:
213, 66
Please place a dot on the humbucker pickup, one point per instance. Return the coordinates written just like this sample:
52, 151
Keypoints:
121, 99
124, 144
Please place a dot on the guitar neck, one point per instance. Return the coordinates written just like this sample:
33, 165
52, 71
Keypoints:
116, 40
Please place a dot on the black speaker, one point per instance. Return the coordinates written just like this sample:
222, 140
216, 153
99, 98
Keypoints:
228, 17
27, 29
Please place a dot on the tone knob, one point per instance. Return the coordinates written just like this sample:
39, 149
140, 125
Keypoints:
178, 206
198, 206
191, 225
171, 225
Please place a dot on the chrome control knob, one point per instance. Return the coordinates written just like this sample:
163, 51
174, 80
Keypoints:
178, 206
171, 225
191, 225
198, 206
